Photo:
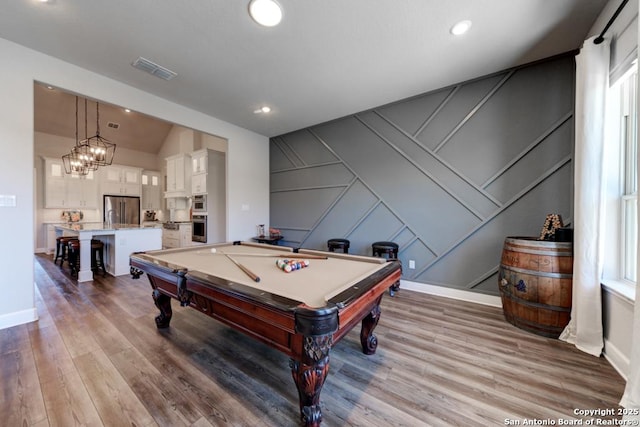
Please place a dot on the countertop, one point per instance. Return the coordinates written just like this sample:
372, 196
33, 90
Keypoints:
98, 226
61, 222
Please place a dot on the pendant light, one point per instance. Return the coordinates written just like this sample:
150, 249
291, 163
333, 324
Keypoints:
91, 152
98, 150
77, 162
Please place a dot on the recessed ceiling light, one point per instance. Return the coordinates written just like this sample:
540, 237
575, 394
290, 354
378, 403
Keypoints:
261, 110
265, 12
126, 110
50, 87
461, 27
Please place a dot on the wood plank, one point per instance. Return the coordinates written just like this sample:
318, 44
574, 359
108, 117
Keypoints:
115, 401
21, 401
163, 398
68, 401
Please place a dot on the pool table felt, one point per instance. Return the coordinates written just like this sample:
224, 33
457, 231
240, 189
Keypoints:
314, 285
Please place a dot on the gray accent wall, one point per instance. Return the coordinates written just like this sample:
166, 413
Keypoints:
446, 174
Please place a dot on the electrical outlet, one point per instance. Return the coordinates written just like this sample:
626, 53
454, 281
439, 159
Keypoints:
412, 264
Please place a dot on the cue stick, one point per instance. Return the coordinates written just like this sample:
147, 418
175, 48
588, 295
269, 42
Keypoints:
248, 272
285, 255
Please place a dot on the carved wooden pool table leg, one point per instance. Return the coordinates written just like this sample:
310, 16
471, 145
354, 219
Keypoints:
367, 338
163, 302
309, 375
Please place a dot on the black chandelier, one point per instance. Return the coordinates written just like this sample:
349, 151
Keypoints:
91, 152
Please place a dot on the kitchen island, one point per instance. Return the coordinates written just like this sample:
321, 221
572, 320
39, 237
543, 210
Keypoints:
120, 241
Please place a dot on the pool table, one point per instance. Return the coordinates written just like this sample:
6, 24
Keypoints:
302, 313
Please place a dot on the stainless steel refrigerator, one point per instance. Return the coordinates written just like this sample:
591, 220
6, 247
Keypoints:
121, 209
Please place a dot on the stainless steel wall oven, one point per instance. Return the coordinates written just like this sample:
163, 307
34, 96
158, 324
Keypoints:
199, 229
199, 203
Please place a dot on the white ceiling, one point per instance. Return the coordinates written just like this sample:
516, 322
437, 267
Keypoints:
327, 58
55, 114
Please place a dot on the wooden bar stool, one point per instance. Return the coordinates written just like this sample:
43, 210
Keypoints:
73, 248
339, 244
61, 248
387, 250
97, 256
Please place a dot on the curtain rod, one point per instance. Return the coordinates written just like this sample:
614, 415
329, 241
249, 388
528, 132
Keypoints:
600, 38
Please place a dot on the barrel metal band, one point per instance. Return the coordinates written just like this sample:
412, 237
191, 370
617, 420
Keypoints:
538, 272
537, 252
537, 328
537, 304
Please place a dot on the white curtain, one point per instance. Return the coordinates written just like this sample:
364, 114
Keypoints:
592, 81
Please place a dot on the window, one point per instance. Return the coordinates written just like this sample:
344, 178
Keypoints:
629, 161
622, 172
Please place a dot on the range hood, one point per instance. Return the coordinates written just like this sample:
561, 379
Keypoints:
176, 195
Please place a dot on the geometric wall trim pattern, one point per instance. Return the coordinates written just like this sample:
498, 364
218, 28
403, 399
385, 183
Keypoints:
447, 174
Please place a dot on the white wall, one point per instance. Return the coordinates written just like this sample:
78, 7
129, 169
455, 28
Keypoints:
247, 157
623, 35
16, 179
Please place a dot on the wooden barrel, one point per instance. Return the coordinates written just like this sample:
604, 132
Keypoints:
535, 281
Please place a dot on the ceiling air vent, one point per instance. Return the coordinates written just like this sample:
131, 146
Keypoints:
153, 68
113, 125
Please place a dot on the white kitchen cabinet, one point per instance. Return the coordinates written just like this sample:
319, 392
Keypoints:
179, 238
199, 183
170, 239
68, 191
82, 190
55, 186
208, 168
199, 161
178, 176
151, 193
121, 180
185, 235
51, 238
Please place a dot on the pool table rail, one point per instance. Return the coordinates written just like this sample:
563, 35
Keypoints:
354, 309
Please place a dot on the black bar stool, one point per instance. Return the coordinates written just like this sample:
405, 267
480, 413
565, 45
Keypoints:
387, 250
73, 248
390, 249
61, 248
97, 256
338, 244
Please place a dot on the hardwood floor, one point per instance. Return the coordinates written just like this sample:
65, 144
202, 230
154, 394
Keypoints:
96, 358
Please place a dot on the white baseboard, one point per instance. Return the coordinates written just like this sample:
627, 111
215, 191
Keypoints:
616, 358
458, 294
18, 318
